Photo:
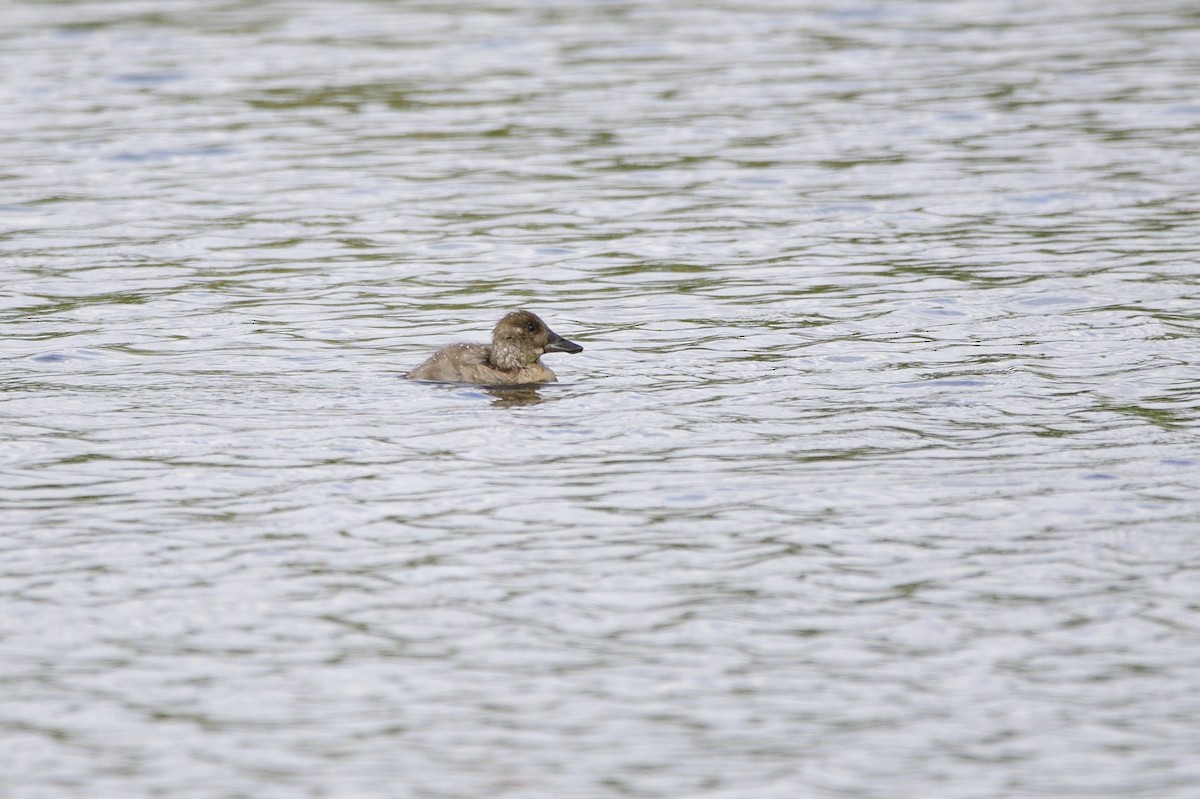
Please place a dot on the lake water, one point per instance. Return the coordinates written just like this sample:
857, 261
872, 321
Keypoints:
879, 475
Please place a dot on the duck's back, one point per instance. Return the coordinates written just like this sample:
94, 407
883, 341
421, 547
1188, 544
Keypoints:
456, 363
468, 363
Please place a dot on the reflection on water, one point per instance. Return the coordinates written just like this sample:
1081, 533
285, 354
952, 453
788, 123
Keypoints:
513, 396
501, 396
877, 477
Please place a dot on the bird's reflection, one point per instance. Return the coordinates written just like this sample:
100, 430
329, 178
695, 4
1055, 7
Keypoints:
513, 396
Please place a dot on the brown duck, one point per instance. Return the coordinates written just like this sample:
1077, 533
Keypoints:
513, 358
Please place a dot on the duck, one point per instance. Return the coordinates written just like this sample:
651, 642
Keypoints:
513, 358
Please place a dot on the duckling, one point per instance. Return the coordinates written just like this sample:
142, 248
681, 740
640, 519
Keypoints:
513, 358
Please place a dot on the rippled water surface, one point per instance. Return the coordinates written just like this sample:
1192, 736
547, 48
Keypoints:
878, 476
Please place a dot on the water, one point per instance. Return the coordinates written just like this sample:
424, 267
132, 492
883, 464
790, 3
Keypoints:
877, 477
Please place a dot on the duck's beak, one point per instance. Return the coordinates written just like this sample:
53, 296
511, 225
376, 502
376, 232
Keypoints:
559, 344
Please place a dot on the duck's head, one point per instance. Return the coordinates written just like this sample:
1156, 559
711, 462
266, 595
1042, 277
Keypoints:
521, 337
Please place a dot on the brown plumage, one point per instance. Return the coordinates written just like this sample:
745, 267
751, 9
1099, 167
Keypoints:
513, 358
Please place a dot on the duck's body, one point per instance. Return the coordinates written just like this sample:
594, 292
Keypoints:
513, 358
469, 363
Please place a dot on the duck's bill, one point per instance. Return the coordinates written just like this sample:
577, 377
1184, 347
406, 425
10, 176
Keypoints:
559, 344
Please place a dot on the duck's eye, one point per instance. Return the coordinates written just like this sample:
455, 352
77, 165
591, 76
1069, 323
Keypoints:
531, 327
